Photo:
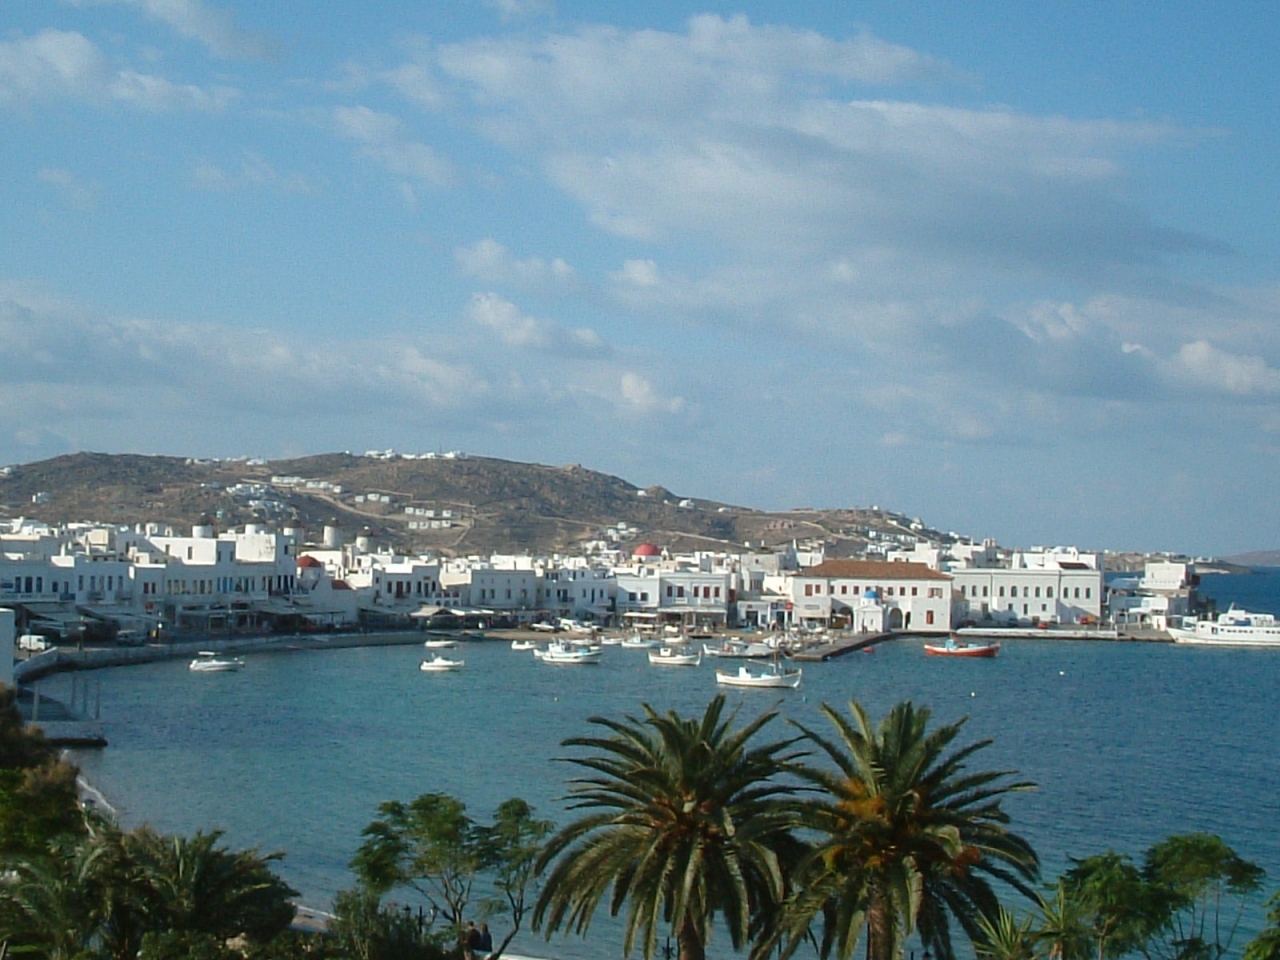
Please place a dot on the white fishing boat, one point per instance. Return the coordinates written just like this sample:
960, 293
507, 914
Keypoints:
1235, 628
439, 664
770, 678
524, 645
613, 640
569, 653
207, 661
739, 650
675, 657
440, 643
638, 642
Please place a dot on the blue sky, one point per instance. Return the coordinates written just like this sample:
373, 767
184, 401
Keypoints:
1010, 268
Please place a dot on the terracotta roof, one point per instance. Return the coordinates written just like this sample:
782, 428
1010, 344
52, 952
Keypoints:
308, 561
872, 570
646, 550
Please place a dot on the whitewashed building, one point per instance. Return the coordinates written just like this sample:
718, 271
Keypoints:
871, 596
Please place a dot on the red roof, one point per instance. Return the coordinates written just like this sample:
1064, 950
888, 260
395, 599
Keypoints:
309, 562
646, 550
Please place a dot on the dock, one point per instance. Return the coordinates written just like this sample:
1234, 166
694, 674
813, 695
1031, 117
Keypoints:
838, 648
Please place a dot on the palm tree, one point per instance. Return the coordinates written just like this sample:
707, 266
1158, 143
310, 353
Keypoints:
1005, 936
193, 885
906, 838
686, 824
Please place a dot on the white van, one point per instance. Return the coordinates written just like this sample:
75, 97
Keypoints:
33, 642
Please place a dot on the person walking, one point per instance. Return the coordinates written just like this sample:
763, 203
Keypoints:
471, 941
486, 940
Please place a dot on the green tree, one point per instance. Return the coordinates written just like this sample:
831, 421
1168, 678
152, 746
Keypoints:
365, 928
38, 796
429, 845
686, 824
906, 838
1005, 936
512, 846
1119, 909
50, 904
1266, 945
1210, 885
1058, 926
194, 885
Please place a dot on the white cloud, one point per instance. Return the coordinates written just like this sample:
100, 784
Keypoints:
638, 395
492, 312
212, 27
65, 64
521, 9
385, 140
252, 170
491, 262
1207, 366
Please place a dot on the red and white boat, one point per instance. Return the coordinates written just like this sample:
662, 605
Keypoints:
957, 648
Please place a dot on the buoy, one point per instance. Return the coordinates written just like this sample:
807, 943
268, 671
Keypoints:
972, 694
1062, 673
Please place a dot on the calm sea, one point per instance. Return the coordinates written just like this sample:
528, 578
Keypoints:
1127, 742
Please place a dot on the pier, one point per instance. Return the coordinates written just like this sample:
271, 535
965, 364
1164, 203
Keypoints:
838, 648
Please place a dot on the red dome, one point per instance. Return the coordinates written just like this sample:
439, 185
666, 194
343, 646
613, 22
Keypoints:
309, 562
646, 550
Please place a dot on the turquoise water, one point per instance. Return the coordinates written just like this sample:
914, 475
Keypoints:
1127, 742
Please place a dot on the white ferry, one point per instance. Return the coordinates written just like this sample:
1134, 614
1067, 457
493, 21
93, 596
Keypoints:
1235, 628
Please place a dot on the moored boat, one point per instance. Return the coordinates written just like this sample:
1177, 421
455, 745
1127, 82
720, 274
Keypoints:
520, 645
1235, 628
207, 661
771, 679
439, 664
739, 650
569, 653
440, 643
675, 657
961, 648
638, 642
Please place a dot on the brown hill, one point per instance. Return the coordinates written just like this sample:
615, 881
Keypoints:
458, 506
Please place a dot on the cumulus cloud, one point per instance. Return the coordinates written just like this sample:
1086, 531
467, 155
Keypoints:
1206, 365
386, 140
212, 27
64, 64
491, 262
515, 328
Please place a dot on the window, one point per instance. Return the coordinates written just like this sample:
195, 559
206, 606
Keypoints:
679, 591
928, 616
808, 589
1087, 592
1037, 591
1048, 592
844, 589
984, 591
717, 593
915, 591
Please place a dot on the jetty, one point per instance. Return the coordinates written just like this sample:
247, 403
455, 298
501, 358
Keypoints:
839, 647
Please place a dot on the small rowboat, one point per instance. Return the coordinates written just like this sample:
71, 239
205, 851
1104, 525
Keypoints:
955, 648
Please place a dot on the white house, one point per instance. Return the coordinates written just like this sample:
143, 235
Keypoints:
872, 596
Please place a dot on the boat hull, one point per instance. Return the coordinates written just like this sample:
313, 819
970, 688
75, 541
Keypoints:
440, 665
985, 650
663, 658
766, 681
